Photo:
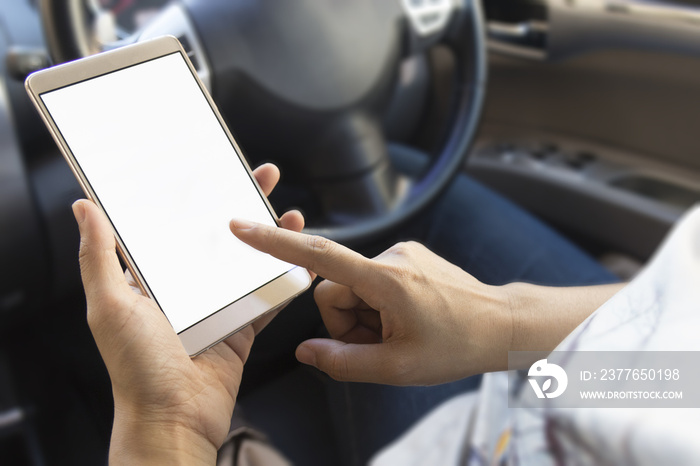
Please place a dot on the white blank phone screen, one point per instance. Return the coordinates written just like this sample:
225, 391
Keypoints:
169, 179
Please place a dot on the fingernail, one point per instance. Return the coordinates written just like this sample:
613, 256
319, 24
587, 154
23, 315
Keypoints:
306, 356
238, 224
79, 211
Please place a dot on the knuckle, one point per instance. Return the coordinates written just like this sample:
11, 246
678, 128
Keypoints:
322, 249
320, 245
403, 264
271, 235
338, 366
399, 249
91, 257
405, 248
84, 253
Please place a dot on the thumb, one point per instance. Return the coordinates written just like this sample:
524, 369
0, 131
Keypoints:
99, 266
373, 363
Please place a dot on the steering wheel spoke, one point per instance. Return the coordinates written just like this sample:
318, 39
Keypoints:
429, 21
174, 20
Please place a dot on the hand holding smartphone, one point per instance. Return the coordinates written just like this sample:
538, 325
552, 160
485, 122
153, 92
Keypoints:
149, 147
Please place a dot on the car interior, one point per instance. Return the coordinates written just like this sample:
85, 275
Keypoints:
580, 111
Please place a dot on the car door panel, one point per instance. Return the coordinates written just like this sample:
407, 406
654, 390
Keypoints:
602, 140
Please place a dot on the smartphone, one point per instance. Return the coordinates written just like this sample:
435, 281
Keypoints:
149, 147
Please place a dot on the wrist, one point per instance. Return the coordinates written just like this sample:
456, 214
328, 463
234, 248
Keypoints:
140, 439
533, 321
488, 329
542, 316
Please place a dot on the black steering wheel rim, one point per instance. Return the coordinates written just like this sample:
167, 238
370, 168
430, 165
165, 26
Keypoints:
62, 20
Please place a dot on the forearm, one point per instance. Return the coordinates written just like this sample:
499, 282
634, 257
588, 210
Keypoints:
541, 317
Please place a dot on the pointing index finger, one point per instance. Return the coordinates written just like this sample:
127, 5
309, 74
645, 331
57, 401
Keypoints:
316, 253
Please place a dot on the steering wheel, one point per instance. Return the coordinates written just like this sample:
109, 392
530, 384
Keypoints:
306, 83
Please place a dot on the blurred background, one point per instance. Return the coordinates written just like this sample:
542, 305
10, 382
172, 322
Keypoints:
589, 121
